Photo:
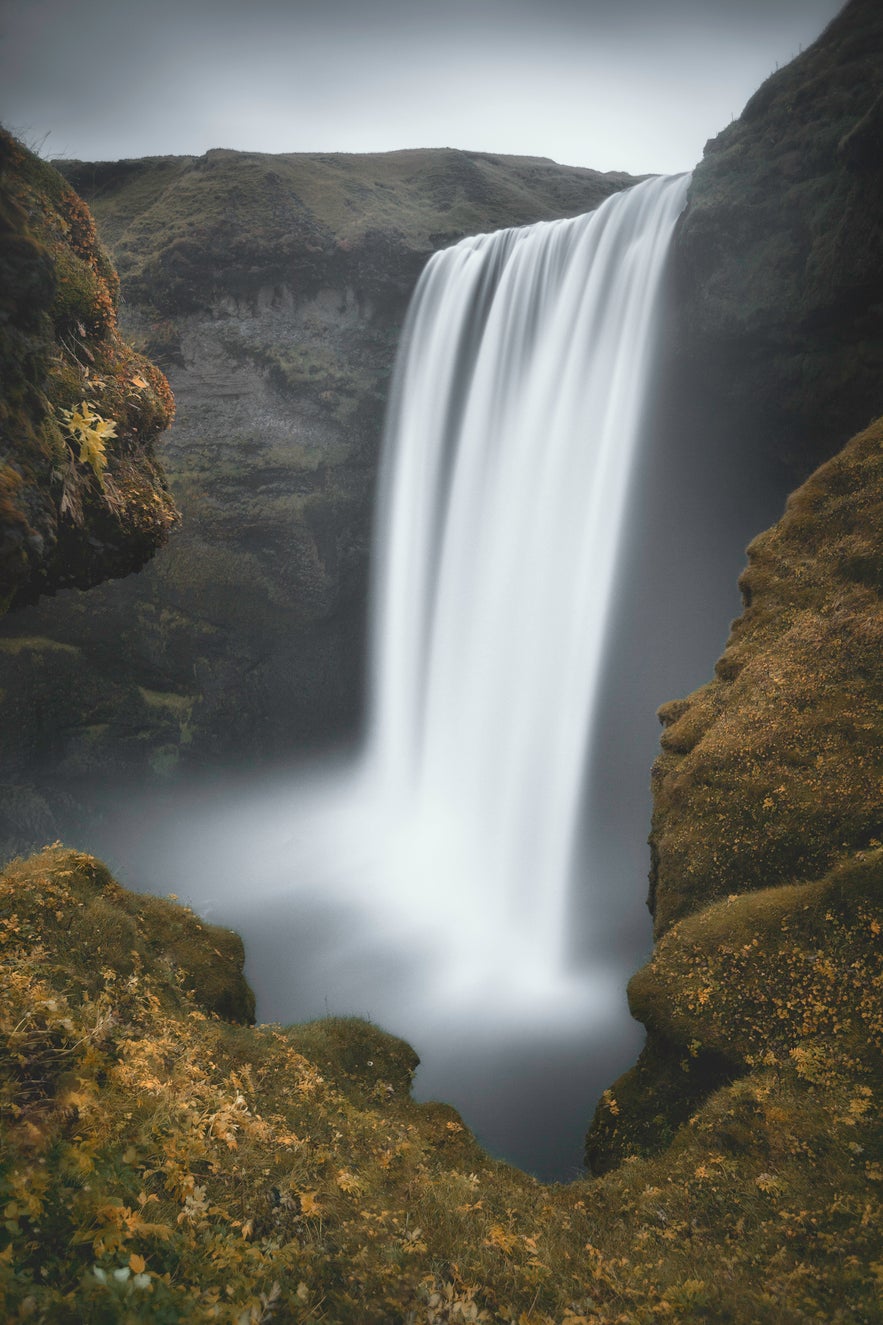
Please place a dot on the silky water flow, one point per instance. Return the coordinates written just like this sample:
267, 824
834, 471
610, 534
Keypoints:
427, 883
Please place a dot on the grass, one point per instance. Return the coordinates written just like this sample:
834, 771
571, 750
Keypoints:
773, 771
185, 228
163, 1160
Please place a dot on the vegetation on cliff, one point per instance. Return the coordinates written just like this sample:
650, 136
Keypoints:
767, 879
187, 231
164, 1161
81, 495
773, 771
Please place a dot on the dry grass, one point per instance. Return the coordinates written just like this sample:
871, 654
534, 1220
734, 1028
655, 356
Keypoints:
161, 1164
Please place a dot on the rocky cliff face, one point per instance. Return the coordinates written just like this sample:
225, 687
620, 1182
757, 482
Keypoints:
272, 290
767, 840
81, 495
779, 254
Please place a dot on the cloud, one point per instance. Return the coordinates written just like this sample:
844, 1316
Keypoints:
626, 85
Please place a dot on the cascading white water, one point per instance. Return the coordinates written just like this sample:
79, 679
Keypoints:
511, 436
426, 883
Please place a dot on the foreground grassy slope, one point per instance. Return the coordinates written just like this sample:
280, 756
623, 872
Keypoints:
160, 1163
82, 497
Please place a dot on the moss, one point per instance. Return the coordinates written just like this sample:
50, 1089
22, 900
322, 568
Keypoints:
772, 771
641, 1113
88, 920
767, 864
164, 699
60, 522
189, 229
35, 644
160, 1163
755, 977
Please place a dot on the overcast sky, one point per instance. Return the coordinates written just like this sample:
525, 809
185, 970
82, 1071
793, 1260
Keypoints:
635, 85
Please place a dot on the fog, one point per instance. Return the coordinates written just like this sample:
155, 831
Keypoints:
297, 862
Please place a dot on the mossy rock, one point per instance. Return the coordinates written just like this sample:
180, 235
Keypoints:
767, 839
70, 513
772, 772
92, 924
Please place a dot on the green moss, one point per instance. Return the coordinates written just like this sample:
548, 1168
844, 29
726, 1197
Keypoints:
186, 229
767, 876
177, 705
759, 976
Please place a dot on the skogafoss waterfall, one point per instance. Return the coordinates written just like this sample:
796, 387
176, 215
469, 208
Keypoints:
427, 883
512, 432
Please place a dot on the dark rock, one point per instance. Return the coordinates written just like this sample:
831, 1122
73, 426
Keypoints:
779, 254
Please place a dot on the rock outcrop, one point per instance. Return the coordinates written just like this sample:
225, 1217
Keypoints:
779, 253
272, 290
767, 841
82, 498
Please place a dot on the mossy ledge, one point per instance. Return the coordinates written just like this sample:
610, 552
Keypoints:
77, 505
767, 841
165, 1161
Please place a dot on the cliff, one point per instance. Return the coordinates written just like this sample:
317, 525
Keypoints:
82, 497
767, 841
779, 255
272, 290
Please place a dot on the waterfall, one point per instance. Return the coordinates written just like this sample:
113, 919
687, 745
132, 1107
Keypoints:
512, 431
426, 884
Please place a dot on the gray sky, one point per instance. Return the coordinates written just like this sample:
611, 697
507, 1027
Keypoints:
633, 85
